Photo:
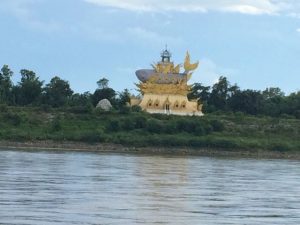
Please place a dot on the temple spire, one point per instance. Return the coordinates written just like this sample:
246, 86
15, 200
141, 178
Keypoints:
166, 55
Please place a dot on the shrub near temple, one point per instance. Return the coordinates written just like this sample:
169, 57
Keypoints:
140, 122
217, 125
154, 126
127, 124
113, 125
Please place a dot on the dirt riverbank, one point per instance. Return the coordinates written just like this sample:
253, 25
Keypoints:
116, 148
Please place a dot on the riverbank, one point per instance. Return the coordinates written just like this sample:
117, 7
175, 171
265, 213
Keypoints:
233, 134
118, 148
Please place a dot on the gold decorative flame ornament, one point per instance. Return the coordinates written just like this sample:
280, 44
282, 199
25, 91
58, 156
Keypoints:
188, 66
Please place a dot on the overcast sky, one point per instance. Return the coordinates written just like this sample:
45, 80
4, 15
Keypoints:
255, 43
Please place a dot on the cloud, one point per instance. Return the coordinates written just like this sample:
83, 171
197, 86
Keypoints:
251, 7
150, 5
241, 6
298, 30
24, 11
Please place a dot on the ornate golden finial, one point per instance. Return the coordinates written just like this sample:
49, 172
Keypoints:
187, 63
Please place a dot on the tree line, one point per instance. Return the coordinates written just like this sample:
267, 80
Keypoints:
222, 96
31, 91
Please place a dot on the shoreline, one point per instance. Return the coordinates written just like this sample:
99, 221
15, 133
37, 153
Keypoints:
118, 148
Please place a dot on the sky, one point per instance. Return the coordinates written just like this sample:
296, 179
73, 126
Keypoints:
254, 43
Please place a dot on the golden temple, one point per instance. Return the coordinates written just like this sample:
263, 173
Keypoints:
164, 88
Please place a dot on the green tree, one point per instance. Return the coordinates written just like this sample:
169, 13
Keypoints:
5, 84
103, 92
199, 92
81, 103
219, 94
274, 101
272, 92
293, 104
248, 101
57, 92
81, 99
29, 90
102, 83
123, 98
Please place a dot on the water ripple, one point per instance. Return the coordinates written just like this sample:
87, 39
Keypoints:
93, 188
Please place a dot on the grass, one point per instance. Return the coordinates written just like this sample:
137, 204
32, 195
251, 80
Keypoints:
224, 131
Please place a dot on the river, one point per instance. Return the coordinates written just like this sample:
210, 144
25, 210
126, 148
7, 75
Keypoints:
65, 187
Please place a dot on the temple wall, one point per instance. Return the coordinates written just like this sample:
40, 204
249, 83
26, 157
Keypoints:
135, 101
169, 104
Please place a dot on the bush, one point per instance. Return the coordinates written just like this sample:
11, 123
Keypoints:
92, 137
3, 108
154, 126
219, 143
200, 130
287, 116
217, 125
280, 147
34, 120
193, 126
170, 127
136, 108
184, 125
197, 143
297, 114
239, 114
128, 124
13, 118
161, 116
140, 122
125, 110
56, 124
45, 107
113, 125
80, 109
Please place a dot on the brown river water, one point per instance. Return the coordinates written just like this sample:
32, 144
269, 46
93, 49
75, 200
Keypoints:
42, 187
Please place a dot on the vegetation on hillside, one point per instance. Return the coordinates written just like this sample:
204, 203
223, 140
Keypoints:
235, 118
230, 131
